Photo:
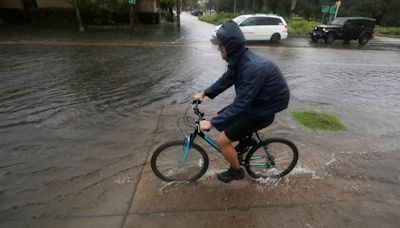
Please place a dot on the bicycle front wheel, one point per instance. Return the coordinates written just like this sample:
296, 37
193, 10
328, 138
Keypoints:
170, 164
273, 157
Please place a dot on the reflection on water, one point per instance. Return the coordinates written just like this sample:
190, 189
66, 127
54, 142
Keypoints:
66, 112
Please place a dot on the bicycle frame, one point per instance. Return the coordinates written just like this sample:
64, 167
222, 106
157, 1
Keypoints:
190, 138
197, 132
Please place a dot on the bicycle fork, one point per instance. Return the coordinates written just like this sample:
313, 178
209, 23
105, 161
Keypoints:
186, 150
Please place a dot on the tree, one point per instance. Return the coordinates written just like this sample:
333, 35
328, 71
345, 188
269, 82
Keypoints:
292, 7
76, 5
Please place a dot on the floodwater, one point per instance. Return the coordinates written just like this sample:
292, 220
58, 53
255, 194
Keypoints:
72, 105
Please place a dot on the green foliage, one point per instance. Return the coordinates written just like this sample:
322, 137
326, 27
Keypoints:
384, 11
300, 26
316, 120
56, 16
218, 18
310, 8
389, 30
104, 12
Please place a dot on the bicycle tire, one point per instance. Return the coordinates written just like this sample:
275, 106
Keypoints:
274, 145
196, 152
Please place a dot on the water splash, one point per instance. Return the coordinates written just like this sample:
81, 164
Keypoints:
165, 186
300, 170
333, 160
211, 173
269, 183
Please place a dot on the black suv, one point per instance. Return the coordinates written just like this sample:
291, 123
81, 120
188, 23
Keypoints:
345, 28
197, 13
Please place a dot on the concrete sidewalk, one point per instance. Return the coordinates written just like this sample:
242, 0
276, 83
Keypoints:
341, 180
328, 188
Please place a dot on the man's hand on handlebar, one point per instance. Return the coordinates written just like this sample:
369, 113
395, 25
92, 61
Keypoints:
200, 96
205, 125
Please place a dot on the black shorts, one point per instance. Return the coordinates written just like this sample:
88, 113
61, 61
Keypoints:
246, 125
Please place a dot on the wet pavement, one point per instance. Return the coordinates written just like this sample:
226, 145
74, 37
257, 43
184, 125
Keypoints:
79, 114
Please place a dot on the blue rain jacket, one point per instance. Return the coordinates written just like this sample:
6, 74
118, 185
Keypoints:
261, 90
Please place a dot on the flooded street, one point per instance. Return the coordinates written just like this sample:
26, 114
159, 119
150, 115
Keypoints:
79, 113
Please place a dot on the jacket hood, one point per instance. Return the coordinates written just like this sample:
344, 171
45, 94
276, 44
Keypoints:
232, 38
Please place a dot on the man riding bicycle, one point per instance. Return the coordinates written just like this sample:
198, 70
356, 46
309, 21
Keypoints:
261, 91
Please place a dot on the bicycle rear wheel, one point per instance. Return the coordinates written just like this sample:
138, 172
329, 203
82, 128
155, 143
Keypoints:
168, 165
273, 157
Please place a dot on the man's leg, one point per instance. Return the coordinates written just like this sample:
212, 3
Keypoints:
228, 150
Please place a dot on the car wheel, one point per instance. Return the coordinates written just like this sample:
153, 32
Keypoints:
363, 40
329, 38
275, 38
314, 38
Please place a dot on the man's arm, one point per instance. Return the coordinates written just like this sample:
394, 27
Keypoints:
246, 90
223, 83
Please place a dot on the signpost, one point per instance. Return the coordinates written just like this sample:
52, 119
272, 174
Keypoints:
325, 9
132, 13
333, 9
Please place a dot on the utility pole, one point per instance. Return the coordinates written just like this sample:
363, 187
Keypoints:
338, 4
234, 7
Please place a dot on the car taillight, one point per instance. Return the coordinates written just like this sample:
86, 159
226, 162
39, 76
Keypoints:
286, 27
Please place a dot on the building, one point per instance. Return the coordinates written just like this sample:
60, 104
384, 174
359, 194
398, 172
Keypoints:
147, 9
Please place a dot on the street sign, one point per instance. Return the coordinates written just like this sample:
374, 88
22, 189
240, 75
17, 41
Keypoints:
325, 9
333, 9
132, 2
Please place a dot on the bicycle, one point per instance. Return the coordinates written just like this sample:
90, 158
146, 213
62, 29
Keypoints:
184, 160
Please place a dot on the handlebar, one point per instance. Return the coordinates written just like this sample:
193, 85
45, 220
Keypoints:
197, 112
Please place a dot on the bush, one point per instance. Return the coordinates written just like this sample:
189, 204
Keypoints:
299, 26
218, 18
389, 30
52, 16
12, 16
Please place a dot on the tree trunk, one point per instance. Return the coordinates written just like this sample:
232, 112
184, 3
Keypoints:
178, 13
248, 6
292, 7
265, 8
78, 15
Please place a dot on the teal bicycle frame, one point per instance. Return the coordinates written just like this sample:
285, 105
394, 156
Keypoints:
190, 138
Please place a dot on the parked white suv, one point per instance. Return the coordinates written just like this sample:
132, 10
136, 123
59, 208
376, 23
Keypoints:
261, 27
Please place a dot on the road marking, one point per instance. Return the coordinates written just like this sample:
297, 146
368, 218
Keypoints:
348, 64
210, 54
173, 44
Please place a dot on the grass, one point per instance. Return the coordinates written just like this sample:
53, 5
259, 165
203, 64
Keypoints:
389, 30
316, 120
296, 25
218, 18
